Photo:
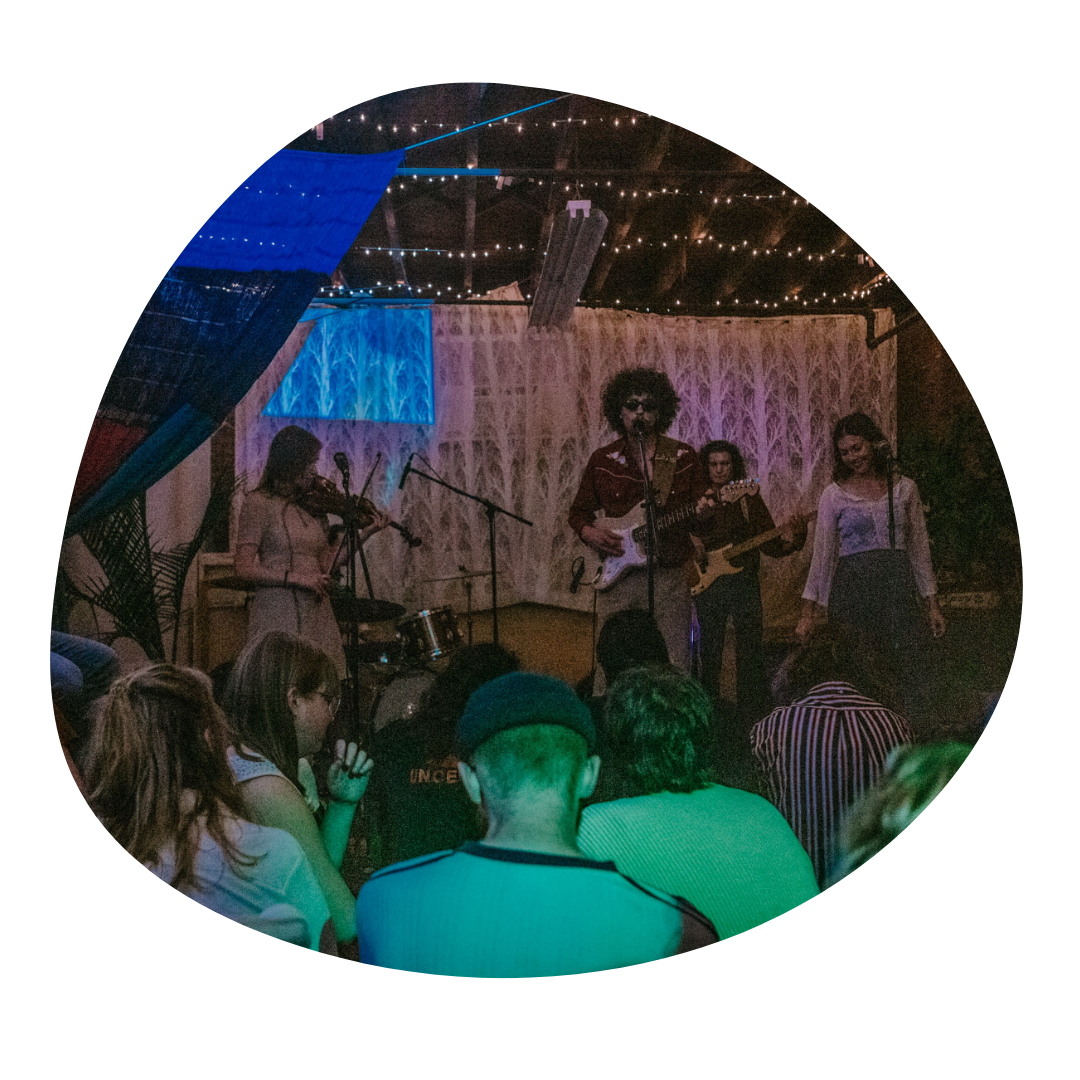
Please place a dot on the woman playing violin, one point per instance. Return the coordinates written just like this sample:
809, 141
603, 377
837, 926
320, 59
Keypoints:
283, 547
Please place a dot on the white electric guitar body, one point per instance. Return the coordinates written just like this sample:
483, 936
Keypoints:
631, 529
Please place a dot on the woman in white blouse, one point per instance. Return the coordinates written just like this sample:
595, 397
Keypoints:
883, 592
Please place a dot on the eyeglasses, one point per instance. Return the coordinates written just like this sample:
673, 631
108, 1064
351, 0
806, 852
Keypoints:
333, 702
633, 404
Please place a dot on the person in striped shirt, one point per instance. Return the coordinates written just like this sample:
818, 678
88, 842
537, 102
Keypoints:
829, 745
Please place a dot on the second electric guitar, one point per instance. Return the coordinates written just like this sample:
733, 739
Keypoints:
718, 564
631, 528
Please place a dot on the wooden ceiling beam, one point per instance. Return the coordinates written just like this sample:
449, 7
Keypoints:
651, 160
562, 161
472, 160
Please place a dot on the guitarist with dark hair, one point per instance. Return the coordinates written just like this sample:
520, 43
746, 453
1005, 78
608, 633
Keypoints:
642, 399
721, 593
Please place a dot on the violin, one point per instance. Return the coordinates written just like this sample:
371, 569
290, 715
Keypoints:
325, 497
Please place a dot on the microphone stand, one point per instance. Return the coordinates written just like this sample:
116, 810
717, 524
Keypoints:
352, 638
353, 547
650, 516
885, 452
491, 509
359, 546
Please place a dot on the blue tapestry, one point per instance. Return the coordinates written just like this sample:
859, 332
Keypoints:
220, 314
368, 363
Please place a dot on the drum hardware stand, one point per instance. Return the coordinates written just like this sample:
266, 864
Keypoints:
468, 605
465, 576
491, 509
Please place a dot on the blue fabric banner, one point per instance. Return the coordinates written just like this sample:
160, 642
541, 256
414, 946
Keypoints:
219, 316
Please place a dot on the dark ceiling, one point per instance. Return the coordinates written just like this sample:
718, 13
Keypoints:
693, 228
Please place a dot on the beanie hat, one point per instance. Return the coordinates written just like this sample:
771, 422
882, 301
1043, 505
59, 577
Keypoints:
522, 699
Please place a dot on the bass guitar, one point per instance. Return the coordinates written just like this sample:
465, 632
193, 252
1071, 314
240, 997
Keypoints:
631, 529
717, 563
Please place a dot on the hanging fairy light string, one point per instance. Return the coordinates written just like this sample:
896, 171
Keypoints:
791, 301
742, 248
415, 127
778, 199
393, 290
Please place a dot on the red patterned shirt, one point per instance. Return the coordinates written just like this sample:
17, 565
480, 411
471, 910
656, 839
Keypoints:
613, 483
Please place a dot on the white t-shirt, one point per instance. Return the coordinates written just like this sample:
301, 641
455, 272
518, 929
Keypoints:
282, 875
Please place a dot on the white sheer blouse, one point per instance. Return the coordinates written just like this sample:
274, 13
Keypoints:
848, 524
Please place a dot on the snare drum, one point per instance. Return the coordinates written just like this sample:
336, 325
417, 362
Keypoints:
430, 634
402, 697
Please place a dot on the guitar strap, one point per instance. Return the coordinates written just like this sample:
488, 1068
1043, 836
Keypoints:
664, 460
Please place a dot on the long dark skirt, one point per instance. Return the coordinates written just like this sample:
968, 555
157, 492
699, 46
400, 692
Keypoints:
873, 597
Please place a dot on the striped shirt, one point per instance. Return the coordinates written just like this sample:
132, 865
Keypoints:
819, 755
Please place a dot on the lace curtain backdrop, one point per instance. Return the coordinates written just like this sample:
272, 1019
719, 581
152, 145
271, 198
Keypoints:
517, 414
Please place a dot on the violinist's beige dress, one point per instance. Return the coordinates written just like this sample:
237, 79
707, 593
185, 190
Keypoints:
289, 538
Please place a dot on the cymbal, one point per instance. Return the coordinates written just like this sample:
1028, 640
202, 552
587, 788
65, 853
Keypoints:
461, 577
364, 609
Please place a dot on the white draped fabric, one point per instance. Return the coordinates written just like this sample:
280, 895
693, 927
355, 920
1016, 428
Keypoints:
518, 413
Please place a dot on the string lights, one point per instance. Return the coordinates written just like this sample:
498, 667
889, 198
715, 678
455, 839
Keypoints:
791, 302
628, 119
742, 248
746, 199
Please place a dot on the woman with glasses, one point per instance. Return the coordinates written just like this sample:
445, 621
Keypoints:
642, 402
281, 697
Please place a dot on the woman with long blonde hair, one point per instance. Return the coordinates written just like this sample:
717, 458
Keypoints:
158, 778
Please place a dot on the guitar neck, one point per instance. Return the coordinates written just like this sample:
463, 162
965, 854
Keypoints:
756, 541
665, 521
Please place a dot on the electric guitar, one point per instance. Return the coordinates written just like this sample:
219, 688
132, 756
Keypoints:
631, 528
717, 562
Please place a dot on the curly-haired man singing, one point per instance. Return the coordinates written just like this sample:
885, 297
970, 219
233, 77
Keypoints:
642, 399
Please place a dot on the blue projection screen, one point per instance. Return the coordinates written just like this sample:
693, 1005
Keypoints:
368, 363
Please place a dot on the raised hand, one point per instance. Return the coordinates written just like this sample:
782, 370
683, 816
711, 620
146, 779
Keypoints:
347, 777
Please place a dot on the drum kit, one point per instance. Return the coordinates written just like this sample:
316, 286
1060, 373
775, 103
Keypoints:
402, 654
399, 655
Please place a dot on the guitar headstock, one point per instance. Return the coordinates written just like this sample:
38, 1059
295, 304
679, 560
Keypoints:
738, 489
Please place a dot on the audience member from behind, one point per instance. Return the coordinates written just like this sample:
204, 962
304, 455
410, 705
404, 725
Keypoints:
416, 799
728, 852
281, 696
913, 778
628, 639
820, 752
158, 778
524, 902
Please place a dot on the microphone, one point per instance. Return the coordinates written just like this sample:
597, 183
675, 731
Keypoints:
408, 469
342, 462
578, 572
638, 426
884, 447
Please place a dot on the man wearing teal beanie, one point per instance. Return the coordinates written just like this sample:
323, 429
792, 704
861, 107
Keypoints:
523, 902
